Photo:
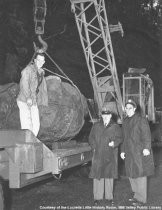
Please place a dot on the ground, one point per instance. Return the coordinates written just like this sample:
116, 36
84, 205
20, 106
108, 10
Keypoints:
74, 191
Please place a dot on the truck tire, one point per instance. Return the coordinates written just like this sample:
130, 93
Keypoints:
1, 197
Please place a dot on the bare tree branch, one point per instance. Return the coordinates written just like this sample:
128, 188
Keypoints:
54, 35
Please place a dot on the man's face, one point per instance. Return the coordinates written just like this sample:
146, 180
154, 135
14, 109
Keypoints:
130, 110
39, 61
106, 118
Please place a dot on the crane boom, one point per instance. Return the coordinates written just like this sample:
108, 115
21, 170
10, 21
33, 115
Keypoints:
94, 32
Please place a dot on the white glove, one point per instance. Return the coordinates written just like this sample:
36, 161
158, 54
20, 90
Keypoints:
29, 102
111, 144
146, 152
122, 155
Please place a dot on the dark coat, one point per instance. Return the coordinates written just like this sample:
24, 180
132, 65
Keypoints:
137, 136
105, 158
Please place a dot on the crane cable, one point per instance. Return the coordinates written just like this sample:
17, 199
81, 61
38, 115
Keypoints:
40, 9
65, 77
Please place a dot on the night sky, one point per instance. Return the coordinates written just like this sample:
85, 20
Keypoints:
138, 48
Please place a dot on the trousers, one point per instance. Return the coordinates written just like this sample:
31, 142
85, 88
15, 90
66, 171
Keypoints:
139, 188
101, 187
29, 117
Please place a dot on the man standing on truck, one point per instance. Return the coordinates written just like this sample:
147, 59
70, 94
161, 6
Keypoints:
137, 152
105, 137
33, 92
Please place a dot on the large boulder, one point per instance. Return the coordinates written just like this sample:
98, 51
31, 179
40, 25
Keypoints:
62, 119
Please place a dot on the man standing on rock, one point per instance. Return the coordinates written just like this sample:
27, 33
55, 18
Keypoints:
33, 92
136, 150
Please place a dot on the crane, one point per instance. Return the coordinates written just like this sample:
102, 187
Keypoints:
94, 32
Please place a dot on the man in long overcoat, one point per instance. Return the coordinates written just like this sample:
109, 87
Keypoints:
137, 152
105, 137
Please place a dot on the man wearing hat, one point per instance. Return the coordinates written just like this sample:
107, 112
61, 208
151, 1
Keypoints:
105, 137
137, 153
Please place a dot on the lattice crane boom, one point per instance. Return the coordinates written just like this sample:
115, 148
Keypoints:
94, 32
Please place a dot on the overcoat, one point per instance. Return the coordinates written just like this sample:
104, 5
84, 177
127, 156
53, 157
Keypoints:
105, 158
137, 136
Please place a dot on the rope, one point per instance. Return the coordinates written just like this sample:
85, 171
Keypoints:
40, 7
67, 78
57, 66
38, 31
55, 74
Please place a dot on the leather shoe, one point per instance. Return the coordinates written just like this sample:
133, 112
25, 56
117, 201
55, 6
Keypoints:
111, 202
96, 202
132, 200
137, 203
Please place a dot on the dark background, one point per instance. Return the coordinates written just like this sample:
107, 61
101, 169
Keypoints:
139, 48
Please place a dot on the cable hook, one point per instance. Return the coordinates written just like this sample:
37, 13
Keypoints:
44, 45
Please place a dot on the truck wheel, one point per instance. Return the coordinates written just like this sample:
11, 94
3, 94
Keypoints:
1, 197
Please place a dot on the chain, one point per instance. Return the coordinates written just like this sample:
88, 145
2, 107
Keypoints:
40, 9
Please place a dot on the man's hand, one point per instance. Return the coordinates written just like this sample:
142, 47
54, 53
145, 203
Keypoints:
146, 152
111, 144
122, 155
29, 102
